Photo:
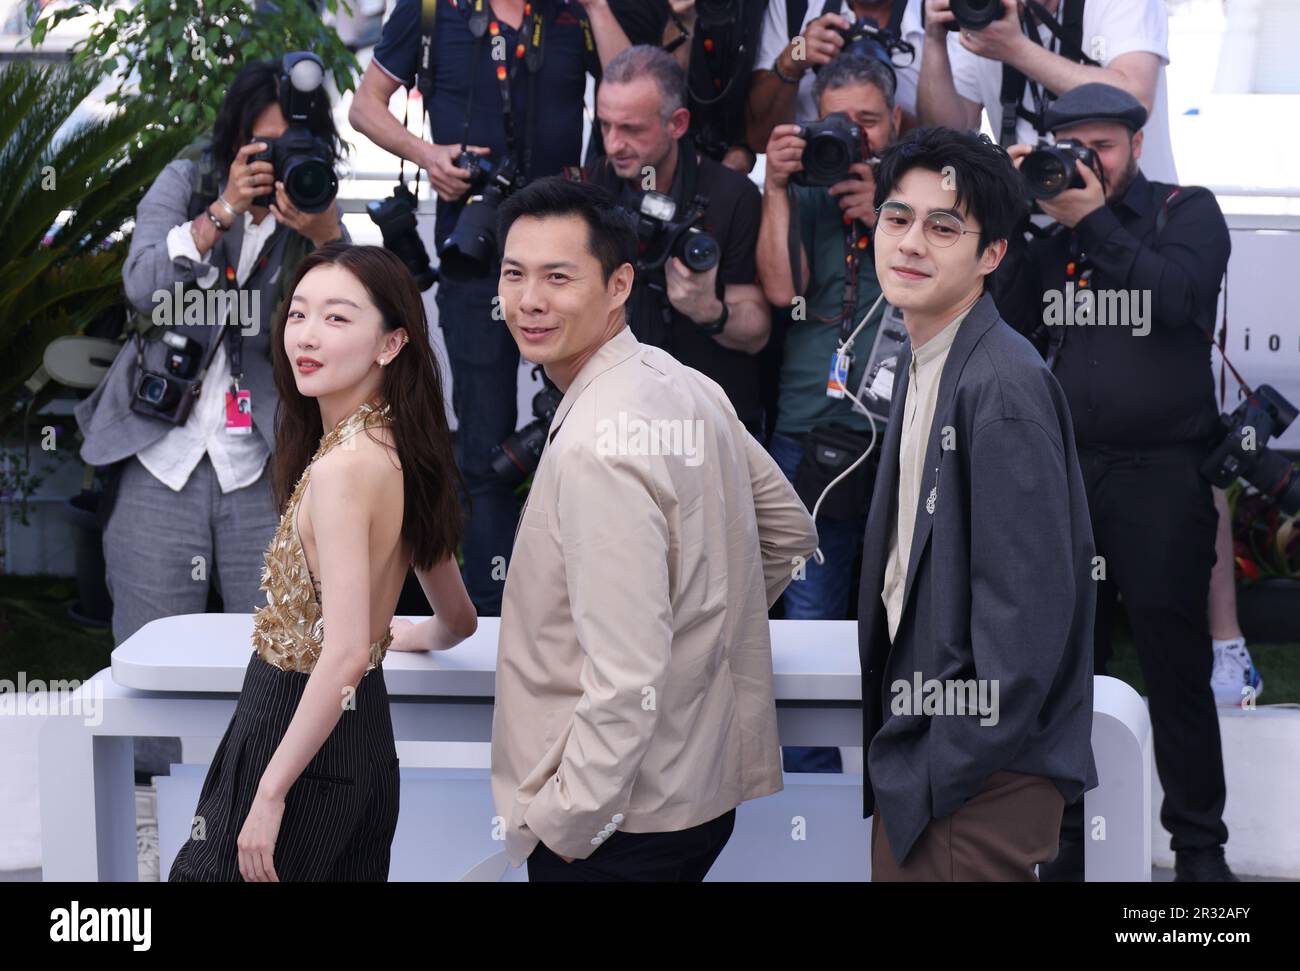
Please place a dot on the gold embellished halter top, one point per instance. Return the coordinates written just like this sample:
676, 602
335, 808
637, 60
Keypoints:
289, 632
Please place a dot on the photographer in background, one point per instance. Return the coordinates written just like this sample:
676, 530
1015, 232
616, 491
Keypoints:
831, 233
800, 38
1141, 393
184, 420
715, 320
522, 117
714, 41
1024, 54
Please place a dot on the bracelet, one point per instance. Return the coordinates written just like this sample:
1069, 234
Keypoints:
221, 200
215, 221
776, 69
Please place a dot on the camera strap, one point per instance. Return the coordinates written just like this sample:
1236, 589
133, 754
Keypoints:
528, 52
1068, 36
856, 241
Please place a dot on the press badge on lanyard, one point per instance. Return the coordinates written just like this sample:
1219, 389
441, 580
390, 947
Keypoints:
839, 374
239, 401
239, 412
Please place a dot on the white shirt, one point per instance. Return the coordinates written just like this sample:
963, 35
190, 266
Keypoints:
1110, 28
775, 39
238, 460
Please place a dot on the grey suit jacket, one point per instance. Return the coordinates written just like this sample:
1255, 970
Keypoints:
111, 429
999, 589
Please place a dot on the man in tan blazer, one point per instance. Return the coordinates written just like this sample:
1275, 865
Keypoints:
634, 706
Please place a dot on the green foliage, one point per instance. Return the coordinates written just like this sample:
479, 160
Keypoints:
64, 208
187, 54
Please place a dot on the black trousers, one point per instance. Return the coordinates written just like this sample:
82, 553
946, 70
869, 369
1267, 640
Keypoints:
1154, 521
341, 812
681, 857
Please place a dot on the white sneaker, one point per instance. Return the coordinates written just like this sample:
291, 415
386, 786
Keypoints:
1234, 672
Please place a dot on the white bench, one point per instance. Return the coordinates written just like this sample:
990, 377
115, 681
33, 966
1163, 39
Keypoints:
180, 676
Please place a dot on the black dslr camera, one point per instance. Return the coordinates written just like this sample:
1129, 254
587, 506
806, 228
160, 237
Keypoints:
170, 394
302, 161
395, 217
974, 14
1049, 169
1242, 452
471, 247
866, 38
833, 144
516, 458
660, 235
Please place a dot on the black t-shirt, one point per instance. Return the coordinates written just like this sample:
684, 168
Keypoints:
732, 217
555, 129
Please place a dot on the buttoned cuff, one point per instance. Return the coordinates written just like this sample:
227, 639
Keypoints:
180, 244
577, 835
1095, 228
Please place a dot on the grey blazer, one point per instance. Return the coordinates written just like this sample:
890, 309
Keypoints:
112, 430
999, 588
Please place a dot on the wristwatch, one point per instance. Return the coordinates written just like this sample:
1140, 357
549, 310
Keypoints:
717, 326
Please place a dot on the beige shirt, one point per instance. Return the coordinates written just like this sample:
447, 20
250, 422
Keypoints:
634, 668
924, 372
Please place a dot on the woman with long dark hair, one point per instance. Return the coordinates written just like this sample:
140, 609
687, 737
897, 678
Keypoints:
304, 785
192, 466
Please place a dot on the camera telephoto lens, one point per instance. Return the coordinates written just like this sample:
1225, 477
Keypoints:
698, 250
310, 183
469, 249
1045, 173
976, 14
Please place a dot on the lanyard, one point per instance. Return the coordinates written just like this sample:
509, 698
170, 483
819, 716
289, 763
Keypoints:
528, 52
856, 241
233, 335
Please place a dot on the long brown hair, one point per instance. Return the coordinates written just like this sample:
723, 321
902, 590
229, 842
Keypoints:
432, 521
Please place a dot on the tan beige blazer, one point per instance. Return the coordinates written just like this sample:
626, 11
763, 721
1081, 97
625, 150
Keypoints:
634, 669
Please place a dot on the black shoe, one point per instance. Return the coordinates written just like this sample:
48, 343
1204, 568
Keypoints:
1202, 866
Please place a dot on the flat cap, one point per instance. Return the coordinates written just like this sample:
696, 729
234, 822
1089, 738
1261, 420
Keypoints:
1095, 102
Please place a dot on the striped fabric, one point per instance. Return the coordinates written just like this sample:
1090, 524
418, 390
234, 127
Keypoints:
341, 813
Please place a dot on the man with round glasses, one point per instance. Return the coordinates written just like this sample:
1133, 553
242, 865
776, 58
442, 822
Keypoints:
975, 610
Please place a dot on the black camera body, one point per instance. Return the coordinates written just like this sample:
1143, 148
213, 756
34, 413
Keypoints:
516, 458
833, 144
866, 38
170, 394
1242, 452
302, 161
1049, 169
661, 235
395, 217
470, 248
974, 14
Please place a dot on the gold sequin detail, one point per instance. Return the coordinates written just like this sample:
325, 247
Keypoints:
289, 631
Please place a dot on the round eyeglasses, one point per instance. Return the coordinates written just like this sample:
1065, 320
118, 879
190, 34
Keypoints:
940, 228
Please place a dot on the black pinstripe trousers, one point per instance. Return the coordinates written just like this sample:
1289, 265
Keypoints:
341, 812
